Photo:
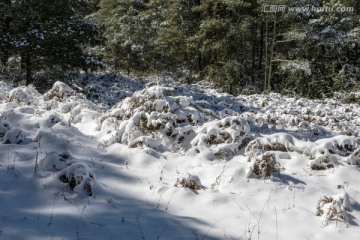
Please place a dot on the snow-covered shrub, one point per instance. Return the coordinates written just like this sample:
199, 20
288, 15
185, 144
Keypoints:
145, 141
54, 161
308, 119
154, 112
3, 129
276, 142
182, 135
263, 166
191, 181
354, 158
59, 91
224, 137
14, 136
334, 208
323, 162
24, 94
341, 145
352, 97
79, 177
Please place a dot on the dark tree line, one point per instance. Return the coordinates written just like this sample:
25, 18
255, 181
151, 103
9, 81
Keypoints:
41, 40
236, 44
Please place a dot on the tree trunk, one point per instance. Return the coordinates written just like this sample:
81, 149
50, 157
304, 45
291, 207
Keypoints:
28, 63
271, 55
253, 51
266, 54
261, 46
128, 64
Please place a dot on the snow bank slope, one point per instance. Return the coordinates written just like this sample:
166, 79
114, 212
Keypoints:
176, 162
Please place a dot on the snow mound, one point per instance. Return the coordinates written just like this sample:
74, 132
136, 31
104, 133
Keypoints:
14, 136
59, 91
157, 116
334, 208
340, 145
154, 112
145, 141
308, 119
323, 162
79, 178
24, 95
276, 142
224, 137
354, 158
179, 128
3, 129
54, 161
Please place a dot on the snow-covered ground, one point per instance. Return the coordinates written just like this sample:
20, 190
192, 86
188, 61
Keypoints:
141, 160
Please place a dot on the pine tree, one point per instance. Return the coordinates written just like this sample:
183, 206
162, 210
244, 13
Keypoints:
180, 20
224, 37
332, 51
128, 34
48, 37
5, 19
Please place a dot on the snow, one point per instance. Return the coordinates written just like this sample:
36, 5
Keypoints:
53, 161
173, 161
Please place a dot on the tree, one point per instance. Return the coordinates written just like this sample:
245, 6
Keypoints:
5, 20
179, 22
331, 47
225, 38
128, 32
51, 36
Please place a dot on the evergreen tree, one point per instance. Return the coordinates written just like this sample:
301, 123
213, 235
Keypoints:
51, 37
128, 34
332, 51
180, 20
5, 20
236, 44
224, 38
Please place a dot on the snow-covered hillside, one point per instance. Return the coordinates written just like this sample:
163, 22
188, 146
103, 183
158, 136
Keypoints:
121, 159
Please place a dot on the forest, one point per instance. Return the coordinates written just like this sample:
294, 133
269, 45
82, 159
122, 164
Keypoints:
179, 119
308, 48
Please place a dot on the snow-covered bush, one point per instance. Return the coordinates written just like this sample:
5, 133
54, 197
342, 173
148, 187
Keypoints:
352, 97
276, 142
263, 166
182, 135
24, 94
14, 136
341, 145
3, 129
334, 208
323, 162
59, 92
224, 137
79, 177
191, 181
155, 112
307, 119
354, 158
145, 141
